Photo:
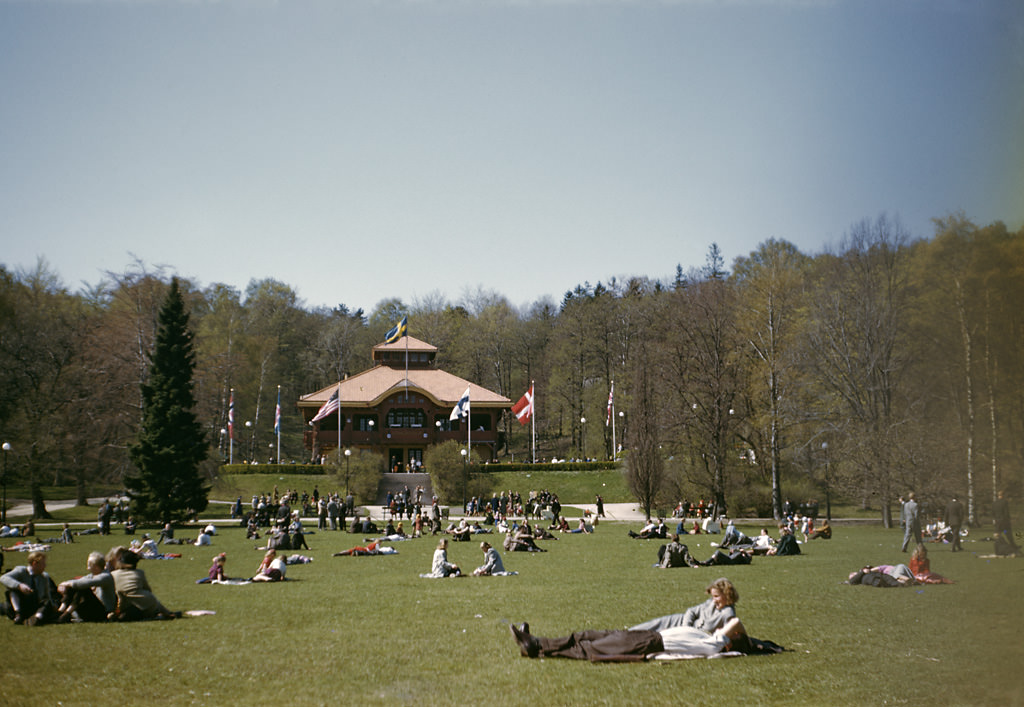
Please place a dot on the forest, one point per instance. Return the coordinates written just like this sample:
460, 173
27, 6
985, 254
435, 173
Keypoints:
883, 365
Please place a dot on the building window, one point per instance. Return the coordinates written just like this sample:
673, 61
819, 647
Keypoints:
403, 417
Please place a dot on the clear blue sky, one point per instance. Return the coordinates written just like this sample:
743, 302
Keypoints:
360, 150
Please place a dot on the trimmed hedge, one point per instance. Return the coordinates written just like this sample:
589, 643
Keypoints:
324, 469
309, 469
558, 466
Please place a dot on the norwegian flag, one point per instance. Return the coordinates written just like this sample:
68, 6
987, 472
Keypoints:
524, 408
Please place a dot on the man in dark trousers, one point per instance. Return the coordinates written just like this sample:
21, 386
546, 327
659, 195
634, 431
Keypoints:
1001, 514
955, 520
911, 523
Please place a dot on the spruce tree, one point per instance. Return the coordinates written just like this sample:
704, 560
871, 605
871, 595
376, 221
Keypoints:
170, 443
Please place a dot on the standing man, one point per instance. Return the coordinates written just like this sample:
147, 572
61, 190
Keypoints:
911, 522
955, 520
333, 511
600, 506
105, 514
1001, 514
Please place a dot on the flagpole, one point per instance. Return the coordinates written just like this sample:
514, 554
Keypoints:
277, 421
533, 422
231, 428
612, 409
339, 424
406, 365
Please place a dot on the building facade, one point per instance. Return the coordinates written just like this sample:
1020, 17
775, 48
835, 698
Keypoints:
401, 406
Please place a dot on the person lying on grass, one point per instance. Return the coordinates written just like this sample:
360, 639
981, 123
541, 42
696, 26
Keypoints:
628, 645
883, 576
371, 549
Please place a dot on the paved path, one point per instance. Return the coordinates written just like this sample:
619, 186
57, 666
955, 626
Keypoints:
622, 512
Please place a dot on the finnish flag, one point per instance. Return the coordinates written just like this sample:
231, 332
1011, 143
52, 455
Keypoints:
461, 408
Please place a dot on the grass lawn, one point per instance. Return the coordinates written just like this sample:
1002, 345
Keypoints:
368, 629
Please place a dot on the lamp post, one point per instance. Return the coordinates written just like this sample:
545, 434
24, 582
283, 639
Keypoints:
249, 450
465, 456
622, 425
220, 444
3, 508
828, 498
583, 437
348, 454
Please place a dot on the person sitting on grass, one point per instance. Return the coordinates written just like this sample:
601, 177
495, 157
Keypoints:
492, 562
440, 566
629, 645
675, 554
824, 532
522, 540
272, 568
787, 544
581, 527
135, 598
298, 536
30, 596
921, 567
216, 573
763, 542
147, 549
89, 598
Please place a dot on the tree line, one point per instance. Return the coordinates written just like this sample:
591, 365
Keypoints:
882, 365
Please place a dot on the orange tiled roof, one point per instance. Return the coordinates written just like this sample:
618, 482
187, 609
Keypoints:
369, 388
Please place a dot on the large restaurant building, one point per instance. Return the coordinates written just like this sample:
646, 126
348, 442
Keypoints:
401, 406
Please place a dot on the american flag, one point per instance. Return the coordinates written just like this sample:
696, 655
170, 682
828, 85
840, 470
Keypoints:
231, 415
333, 403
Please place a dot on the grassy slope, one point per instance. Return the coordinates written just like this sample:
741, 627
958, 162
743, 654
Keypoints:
369, 629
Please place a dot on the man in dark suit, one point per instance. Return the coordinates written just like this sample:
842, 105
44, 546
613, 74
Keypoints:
955, 520
30, 595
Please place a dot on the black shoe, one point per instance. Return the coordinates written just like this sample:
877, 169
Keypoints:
18, 619
529, 647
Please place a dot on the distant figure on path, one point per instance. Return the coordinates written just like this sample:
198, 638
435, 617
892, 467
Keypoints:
955, 520
911, 522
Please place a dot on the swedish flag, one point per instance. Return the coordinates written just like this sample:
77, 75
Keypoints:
397, 332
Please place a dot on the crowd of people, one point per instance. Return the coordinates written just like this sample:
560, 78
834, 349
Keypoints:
114, 589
